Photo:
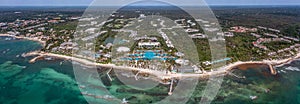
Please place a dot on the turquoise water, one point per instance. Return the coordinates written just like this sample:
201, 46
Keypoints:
54, 83
150, 55
38, 83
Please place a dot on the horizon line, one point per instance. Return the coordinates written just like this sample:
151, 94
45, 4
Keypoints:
151, 5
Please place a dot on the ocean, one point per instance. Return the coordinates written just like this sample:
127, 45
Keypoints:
53, 82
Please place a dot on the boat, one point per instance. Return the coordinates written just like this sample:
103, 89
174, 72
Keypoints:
24, 67
108, 97
253, 97
48, 58
124, 101
267, 90
23, 55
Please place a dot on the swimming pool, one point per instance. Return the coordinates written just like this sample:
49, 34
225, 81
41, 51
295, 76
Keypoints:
149, 55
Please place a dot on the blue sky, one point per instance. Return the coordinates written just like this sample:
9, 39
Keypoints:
87, 2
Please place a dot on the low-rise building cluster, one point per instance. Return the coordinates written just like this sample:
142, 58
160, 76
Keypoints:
241, 29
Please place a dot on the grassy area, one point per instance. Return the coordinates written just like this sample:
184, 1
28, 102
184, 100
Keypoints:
276, 45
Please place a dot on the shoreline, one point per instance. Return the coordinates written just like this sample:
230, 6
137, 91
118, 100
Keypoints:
224, 70
27, 38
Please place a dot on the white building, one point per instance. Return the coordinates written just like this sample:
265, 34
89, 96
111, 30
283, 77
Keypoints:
148, 44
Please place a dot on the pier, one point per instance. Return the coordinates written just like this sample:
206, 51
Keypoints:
171, 87
35, 58
109, 75
273, 71
136, 76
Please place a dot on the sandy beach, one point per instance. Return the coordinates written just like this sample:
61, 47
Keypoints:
163, 75
160, 74
32, 39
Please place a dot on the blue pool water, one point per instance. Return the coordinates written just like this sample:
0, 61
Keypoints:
149, 55
222, 60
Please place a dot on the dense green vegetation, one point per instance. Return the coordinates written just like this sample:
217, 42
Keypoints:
240, 48
275, 46
292, 30
273, 17
203, 48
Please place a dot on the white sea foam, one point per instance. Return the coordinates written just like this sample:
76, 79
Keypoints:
292, 68
283, 71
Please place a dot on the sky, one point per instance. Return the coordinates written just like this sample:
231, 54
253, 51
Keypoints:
88, 2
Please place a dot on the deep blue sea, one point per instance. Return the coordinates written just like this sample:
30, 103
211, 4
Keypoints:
53, 82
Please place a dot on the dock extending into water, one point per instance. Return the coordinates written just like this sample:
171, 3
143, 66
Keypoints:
171, 87
272, 69
35, 58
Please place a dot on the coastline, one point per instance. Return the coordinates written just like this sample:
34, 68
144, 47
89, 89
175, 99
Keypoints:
162, 75
222, 70
18, 37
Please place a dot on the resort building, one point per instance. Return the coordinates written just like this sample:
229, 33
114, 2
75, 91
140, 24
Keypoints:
271, 35
256, 35
241, 29
191, 30
226, 34
186, 69
199, 35
148, 44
